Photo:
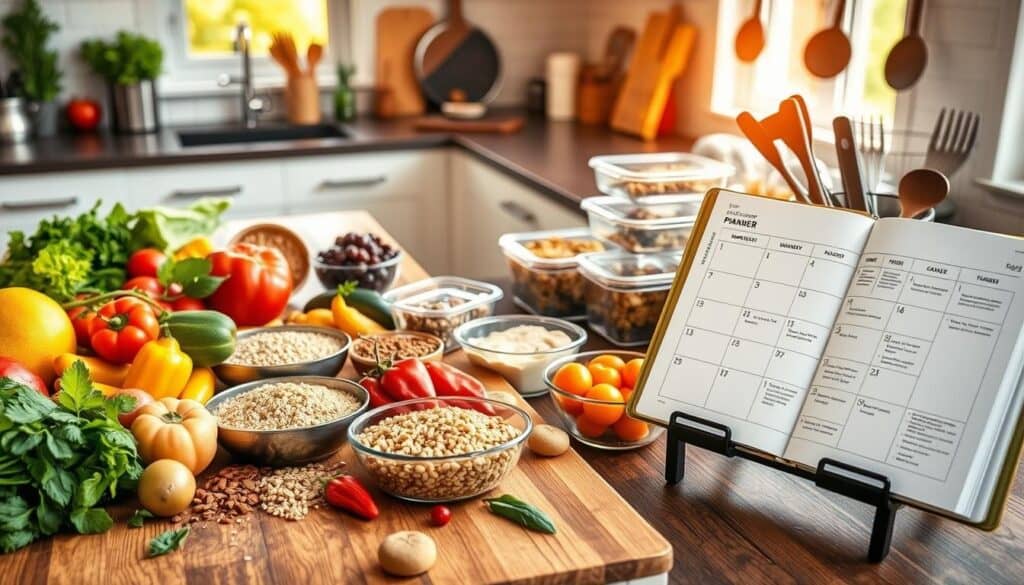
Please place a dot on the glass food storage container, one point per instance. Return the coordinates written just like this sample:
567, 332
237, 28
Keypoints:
545, 280
438, 305
658, 173
625, 293
654, 225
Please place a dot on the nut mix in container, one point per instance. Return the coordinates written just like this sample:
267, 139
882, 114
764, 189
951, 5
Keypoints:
626, 292
661, 173
438, 305
657, 225
544, 270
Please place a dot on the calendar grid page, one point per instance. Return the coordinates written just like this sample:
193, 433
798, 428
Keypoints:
752, 319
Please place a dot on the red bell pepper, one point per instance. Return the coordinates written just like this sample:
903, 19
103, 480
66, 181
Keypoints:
258, 283
406, 379
372, 386
347, 493
451, 381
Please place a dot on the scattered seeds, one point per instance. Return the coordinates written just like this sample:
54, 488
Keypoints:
291, 492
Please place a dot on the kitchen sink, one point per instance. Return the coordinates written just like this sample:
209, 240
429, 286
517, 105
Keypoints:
259, 134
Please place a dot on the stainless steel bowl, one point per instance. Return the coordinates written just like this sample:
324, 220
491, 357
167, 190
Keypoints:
289, 446
325, 366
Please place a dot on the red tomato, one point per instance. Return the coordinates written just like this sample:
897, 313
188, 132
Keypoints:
142, 398
258, 283
120, 329
148, 285
81, 319
188, 304
16, 371
440, 515
84, 114
146, 262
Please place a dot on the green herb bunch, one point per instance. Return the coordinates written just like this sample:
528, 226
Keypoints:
26, 34
61, 459
129, 59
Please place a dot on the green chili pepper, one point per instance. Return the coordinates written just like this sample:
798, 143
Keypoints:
518, 511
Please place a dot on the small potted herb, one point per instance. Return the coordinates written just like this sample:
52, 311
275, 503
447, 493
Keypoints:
27, 32
130, 64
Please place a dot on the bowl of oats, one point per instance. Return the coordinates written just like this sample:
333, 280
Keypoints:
289, 350
289, 420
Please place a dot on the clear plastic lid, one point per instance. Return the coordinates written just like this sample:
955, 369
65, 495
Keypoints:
442, 296
623, 270
658, 167
666, 212
515, 246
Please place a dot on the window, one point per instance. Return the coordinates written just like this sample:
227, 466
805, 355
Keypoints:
873, 27
211, 25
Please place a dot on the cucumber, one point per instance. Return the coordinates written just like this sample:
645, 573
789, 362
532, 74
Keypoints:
366, 301
208, 337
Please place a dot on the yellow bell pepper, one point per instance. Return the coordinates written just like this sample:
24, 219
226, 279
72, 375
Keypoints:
160, 368
351, 321
100, 371
199, 247
200, 386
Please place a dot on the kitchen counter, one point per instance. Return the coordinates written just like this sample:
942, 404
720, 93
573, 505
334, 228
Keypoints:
548, 156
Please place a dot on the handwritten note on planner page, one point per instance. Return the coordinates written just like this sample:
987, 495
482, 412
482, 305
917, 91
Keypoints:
751, 323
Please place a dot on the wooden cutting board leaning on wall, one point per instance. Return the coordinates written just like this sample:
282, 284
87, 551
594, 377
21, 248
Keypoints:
399, 28
660, 56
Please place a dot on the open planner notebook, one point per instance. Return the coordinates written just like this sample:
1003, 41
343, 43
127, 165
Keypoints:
893, 345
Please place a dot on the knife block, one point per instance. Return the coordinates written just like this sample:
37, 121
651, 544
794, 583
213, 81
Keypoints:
302, 100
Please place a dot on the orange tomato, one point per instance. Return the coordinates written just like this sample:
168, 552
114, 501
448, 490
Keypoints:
603, 414
573, 378
589, 428
603, 374
626, 392
612, 361
631, 372
630, 429
569, 405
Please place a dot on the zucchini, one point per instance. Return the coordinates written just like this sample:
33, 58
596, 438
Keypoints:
208, 337
366, 301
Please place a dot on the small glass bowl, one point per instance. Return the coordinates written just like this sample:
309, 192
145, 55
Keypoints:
444, 478
524, 370
572, 410
378, 277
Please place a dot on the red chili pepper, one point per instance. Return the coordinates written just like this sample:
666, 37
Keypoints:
451, 381
347, 493
405, 380
372, 386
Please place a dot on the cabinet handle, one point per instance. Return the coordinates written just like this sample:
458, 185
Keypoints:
350, 183
516, 210
213, 192
34, 205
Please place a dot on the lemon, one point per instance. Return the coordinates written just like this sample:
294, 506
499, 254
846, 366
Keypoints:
34, 329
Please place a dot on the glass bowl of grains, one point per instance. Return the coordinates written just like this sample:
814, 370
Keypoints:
440, 449
288, 350
291, 420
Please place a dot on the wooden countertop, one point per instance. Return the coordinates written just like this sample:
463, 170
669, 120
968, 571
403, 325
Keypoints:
600, 537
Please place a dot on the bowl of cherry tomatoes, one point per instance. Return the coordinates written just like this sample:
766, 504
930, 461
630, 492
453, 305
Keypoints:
591, 390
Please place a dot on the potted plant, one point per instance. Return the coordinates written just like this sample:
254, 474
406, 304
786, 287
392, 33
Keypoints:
130, 64
27, 31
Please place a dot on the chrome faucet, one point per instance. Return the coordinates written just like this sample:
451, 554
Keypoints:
252, 105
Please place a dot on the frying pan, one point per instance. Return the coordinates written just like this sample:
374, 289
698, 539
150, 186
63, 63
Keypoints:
456, 61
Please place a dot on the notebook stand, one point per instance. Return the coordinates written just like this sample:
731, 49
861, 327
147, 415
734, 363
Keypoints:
853, 482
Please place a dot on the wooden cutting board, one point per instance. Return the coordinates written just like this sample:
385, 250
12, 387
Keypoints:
660, 56
600, 537
489, 124
399, 28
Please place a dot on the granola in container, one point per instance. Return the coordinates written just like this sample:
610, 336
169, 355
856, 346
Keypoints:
545, 279
438, 305
659, 225
626, 292
658, 173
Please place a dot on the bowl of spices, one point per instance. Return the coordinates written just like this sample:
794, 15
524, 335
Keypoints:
291, 350
287, 421
519, 347
394, 346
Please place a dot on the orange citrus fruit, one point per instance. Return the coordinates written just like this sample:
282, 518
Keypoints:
631, 372
604, 414
630, 429
589, 428
603, 374
612, 361
570, 405
573, 378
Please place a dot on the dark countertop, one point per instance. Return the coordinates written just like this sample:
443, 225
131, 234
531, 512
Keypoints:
549, 156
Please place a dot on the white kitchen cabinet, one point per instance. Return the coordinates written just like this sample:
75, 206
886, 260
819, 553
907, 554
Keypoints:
406, 191
487, 203
256, 188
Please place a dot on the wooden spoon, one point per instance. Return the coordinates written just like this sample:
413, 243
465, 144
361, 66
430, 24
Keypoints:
920, 190
907, 60
750, 38
828, 51
313, 54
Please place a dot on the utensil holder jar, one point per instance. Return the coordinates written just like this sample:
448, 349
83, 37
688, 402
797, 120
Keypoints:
302, 100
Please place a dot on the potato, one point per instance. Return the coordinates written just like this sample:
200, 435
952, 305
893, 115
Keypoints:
166, 487
407, 553
548, 441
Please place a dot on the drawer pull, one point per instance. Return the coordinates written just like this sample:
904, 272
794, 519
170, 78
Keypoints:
350, 183
519, 212
213, 192
36, 205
